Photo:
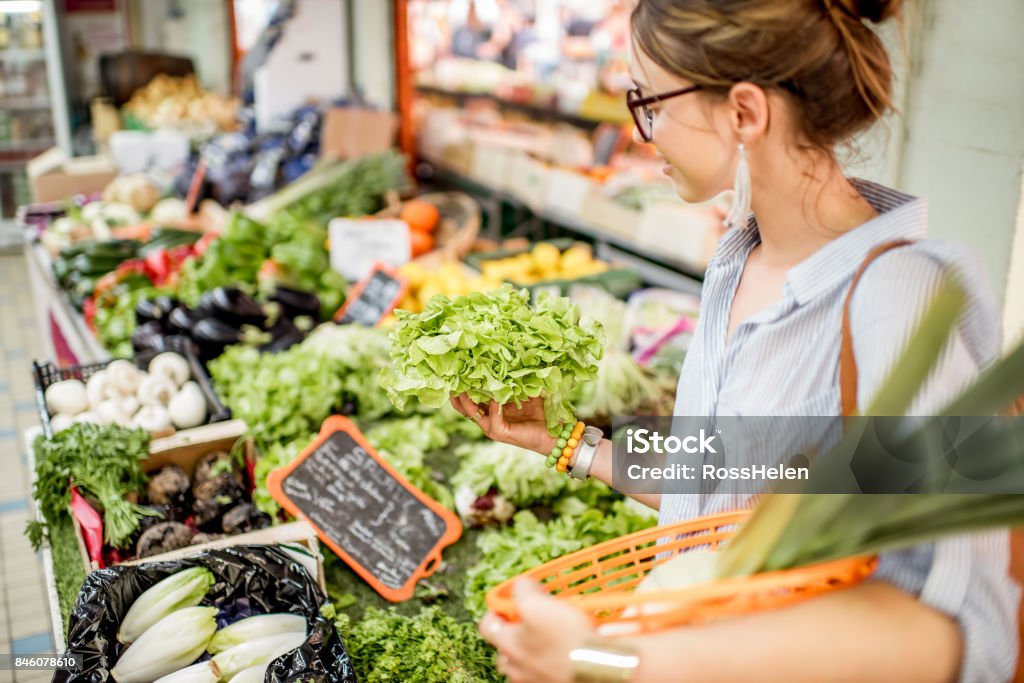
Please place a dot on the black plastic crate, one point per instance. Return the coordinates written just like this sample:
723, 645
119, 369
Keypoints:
47, 373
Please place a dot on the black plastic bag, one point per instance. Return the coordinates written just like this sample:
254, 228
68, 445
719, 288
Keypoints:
251, 579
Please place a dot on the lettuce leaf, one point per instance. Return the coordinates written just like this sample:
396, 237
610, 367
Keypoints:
493, 346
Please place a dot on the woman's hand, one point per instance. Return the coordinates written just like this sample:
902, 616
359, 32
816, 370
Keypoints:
525, 427
536, 650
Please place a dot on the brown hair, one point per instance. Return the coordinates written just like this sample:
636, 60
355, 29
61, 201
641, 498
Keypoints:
821, 52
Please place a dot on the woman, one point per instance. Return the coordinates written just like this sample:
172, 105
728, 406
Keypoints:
757, 95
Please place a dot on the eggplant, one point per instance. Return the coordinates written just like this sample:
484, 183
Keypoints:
212, 336
284, 335
148, 336
147, 311
297, 303
181, 320
233, 306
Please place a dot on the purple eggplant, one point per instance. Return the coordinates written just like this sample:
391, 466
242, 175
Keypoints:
232, 306
297, 303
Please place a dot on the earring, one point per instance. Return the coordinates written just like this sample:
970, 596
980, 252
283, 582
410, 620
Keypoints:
740, 209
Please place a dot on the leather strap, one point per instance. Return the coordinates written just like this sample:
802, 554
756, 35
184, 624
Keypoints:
847, 361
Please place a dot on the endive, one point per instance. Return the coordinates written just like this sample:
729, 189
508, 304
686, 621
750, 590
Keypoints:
255, 652
171, 644
254, 674
203, 672
183, 589
254, 628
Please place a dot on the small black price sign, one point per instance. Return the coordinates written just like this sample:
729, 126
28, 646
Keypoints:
386, 529
374, 297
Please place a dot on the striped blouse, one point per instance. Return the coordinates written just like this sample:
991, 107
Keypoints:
784, 360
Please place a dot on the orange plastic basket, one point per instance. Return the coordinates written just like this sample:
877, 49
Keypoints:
600, 580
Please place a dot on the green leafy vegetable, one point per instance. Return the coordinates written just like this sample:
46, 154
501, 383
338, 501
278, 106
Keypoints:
273, 456
285, 395
530, 543
518, 475
430, 647
493, 346
101, 461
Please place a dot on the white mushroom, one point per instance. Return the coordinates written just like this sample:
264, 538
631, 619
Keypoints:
171, 365
96, 388
156, 390
67, 397
87, 417
123, 376
60, 422
109, 412
153, 419
188, 407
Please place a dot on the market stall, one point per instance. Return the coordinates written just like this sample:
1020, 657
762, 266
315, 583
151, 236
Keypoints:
254, 318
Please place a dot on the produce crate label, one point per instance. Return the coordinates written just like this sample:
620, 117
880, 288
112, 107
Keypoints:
374, 297
387, 530
356, 245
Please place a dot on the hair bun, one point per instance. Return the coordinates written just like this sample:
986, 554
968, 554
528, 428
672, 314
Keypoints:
875, 11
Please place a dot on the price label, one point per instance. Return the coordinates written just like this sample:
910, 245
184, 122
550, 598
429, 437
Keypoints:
357, 245
373, 298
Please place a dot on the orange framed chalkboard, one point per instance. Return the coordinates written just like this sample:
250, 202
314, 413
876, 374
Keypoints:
387, 530
374, 297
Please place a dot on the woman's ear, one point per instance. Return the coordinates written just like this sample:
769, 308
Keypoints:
749, 112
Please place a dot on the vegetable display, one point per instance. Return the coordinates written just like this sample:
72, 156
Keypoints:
168, 629
103, 461
284, 395
493, 346
159, 401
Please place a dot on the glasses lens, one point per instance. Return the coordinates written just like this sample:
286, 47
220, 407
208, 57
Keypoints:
641, 115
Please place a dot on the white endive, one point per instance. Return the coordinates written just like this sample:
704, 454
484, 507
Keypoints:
254, 674
183, 589
256, 627
170, 644
255, 652
203, 672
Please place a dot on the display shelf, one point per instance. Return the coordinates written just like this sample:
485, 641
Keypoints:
684, 276
534, 111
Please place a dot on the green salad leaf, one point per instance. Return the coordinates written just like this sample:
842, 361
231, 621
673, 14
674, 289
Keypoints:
493, 346
430, 647
530, 543
518, 474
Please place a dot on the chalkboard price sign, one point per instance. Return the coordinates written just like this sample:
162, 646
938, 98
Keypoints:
388, 531
374, 297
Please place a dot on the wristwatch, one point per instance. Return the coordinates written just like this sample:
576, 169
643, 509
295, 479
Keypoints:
601, 660
583, 460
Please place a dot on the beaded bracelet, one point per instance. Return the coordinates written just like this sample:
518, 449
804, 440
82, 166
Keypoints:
565, 447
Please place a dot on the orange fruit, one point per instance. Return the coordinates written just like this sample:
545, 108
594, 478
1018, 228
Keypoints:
422, 242
421, 216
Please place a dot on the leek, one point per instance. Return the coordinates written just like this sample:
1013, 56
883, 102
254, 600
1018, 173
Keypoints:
255, 628
203, 672
255, 652
183, 589
171, 644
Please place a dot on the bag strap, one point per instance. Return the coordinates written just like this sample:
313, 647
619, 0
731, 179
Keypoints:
847, 361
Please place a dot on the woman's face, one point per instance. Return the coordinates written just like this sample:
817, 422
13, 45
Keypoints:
689, 131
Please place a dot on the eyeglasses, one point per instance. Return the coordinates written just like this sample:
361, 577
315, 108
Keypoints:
642, 115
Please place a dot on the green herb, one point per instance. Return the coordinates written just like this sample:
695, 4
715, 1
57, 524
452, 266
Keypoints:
430, 647
68, 571
102, 461
530, 543
493, 346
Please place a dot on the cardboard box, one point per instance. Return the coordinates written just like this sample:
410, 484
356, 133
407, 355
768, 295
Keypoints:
53, 177
185, 449
528, 181
353, 133
567, 191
